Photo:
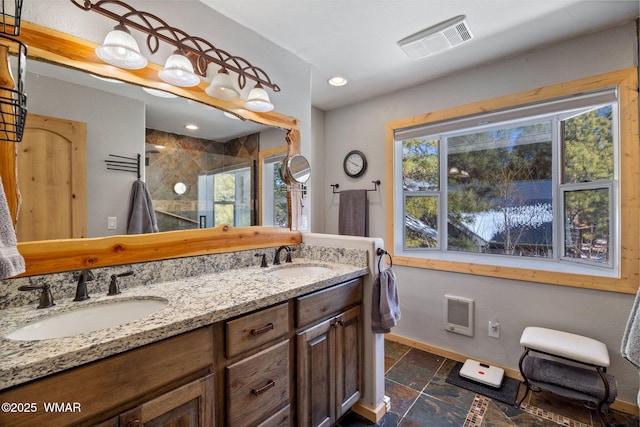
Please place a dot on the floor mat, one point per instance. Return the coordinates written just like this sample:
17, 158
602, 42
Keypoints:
507, 393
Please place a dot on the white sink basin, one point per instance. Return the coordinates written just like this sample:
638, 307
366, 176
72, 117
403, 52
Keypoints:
300, 270
88, 319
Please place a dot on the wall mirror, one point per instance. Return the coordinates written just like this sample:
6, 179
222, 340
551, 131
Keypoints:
215, 156
68, 51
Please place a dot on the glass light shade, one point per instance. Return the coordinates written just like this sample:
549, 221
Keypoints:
121, 50
258, 100
178, 71
223, 86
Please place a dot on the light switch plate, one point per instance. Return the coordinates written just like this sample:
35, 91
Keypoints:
112, 222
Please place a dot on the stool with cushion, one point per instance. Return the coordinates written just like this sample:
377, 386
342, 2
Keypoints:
584, 378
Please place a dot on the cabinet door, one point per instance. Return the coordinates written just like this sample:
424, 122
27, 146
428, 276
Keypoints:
316, 371
348, 338
190, 405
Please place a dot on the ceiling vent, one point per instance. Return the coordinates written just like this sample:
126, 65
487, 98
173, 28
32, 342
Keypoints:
438, 38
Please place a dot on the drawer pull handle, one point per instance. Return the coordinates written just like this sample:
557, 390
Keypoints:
134, 423
259, 391
259, 331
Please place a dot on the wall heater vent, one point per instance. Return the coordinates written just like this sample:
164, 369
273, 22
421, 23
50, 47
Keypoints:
459, 315
438, 38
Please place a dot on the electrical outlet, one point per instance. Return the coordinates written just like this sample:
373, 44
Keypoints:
494, 329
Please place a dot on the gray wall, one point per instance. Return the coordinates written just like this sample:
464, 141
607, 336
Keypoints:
515, 304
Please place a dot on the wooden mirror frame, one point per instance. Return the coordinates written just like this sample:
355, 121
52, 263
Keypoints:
70, 254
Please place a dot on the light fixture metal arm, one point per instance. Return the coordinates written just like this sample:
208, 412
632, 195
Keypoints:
200, 51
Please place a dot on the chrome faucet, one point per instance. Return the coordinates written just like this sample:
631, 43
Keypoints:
81, 291
276, 260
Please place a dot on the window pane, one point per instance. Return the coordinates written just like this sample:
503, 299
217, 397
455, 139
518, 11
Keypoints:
586, 214
499, 194
420, 165
588, 146
421, 222
223, 214
224, 192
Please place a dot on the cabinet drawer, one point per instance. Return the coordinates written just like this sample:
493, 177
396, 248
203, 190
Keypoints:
258, 386
255, 329
282, 418
326, 302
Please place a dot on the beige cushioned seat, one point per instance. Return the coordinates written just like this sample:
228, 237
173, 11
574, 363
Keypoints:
565, 344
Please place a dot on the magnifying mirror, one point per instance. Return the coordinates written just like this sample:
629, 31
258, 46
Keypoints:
298, 168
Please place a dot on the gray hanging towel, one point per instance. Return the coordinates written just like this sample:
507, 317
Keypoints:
385, 307
142, 217
11, 262
353, 217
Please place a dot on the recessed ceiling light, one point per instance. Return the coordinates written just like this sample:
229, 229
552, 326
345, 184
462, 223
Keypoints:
191, 126
337, 81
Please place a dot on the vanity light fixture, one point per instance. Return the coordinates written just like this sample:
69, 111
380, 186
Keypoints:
196, 51
178, 71
337, 81
223, 87
121, 50
258, 100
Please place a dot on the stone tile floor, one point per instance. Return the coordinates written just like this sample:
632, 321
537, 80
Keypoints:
415, 382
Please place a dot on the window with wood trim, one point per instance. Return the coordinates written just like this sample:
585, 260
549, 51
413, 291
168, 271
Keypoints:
526, 186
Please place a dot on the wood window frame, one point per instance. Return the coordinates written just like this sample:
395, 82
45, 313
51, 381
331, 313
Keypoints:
629, 205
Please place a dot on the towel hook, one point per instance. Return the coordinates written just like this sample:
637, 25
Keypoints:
381, 252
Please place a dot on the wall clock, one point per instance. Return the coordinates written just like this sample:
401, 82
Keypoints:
355, 163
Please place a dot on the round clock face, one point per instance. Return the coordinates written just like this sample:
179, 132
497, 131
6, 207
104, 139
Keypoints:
355, 163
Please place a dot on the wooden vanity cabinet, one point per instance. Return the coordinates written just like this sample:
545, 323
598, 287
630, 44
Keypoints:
296, 363
321, 332
329, 359
157, 380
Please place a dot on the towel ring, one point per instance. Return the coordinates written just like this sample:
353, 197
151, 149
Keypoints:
381, 252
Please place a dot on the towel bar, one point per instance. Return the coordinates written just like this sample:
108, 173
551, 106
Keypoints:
375, 186
130, 164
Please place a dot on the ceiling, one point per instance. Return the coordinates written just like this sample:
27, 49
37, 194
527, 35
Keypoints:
358, 38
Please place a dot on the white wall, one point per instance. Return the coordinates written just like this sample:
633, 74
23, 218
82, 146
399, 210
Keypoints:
115, 125
515, 304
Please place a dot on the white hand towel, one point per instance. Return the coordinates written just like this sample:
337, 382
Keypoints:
11, 262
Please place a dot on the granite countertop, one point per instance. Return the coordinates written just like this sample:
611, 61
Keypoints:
193, 302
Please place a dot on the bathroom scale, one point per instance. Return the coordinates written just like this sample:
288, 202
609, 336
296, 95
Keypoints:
482, 373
